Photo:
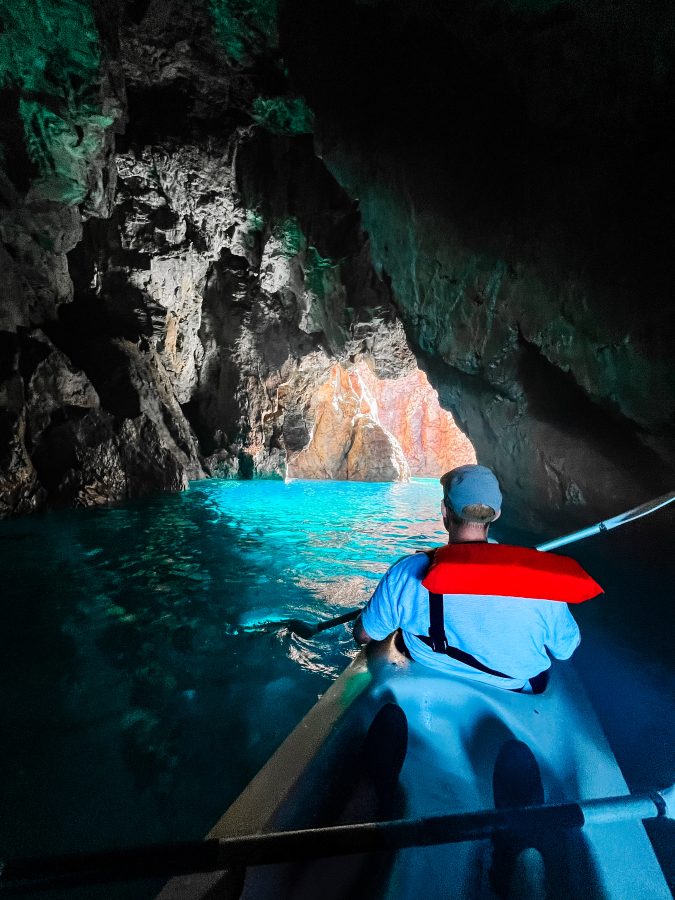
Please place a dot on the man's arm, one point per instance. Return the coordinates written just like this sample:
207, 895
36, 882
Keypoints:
563, 632
380, 617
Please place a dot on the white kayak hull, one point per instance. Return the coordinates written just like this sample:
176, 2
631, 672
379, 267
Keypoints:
456, 729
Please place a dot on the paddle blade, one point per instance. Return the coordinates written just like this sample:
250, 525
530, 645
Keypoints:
308, 630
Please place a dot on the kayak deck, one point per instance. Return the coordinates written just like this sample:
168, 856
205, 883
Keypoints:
456, 729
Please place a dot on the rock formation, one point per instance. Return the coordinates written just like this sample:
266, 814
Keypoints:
86, 414
348, 441
172, 306
183, 276
408, 408
378, 429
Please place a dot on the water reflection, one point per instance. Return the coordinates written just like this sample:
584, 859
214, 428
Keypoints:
135, 702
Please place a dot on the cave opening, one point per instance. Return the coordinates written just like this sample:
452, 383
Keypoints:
365, 428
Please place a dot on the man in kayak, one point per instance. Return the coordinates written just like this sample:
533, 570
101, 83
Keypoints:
473, 628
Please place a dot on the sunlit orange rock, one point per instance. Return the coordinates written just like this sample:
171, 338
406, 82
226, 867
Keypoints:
369, 429
347, 442
408, 408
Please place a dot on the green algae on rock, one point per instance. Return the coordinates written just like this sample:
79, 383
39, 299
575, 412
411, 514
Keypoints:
283, 115
290, 236
241, 24
50, 52
318, 273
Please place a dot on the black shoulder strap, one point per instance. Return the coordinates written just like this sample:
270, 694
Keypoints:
463, 657
437, 638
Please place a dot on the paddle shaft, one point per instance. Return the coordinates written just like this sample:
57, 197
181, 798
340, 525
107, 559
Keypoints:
346, 617
637, 513
216, 854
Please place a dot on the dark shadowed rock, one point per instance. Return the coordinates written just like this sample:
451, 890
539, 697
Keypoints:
512, 163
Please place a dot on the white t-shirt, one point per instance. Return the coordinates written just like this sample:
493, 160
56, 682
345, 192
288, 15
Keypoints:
507, 634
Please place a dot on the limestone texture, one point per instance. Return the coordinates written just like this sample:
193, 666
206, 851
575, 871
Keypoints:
177, 321
408, 408
370, 429
347, 441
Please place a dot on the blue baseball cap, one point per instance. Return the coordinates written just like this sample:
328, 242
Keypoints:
470, 486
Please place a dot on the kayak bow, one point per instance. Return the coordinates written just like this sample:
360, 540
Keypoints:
457, 728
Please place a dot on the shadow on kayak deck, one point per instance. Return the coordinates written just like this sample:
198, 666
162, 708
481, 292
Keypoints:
368, 791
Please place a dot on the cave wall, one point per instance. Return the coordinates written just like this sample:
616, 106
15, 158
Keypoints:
409, 409
229, 228
365, 428
86, 416
512, 162
177, 283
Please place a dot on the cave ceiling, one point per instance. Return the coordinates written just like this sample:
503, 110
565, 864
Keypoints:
207, 205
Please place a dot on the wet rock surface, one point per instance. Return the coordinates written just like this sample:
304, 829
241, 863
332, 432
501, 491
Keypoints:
347, 440
408, 409
359, 427
166, 329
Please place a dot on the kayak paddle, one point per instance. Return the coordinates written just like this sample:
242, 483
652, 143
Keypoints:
235, 853
637, 513
309, 629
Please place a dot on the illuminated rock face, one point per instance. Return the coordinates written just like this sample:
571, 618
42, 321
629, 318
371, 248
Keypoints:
363, 428
347, 441
175, 325
87, 414
409, 410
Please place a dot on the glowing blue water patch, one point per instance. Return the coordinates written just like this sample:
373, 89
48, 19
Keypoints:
329, 530
138, 678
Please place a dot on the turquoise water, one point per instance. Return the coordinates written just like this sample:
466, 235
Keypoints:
139, 692
143, 681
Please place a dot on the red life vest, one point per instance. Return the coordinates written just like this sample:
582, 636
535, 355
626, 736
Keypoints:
504, 571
